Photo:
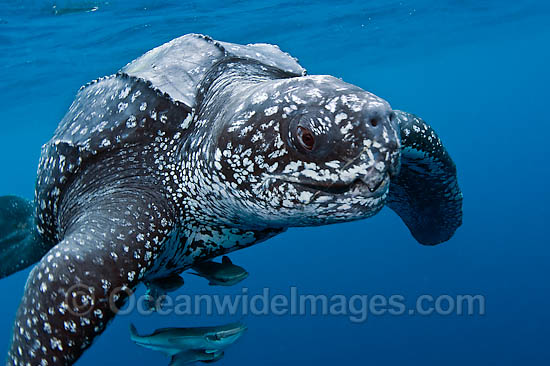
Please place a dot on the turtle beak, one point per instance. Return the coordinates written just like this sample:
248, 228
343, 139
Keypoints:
374, 180
383, 150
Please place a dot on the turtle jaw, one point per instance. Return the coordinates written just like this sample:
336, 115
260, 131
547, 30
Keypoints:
357, 188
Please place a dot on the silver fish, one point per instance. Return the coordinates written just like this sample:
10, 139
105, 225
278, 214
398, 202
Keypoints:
220, 274
188, 345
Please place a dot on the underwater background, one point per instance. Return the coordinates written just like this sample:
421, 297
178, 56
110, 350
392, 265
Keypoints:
477, 71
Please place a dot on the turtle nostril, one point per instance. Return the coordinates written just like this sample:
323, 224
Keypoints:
374, 122
392, 116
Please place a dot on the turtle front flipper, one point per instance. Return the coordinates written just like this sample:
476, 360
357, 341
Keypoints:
75, 290
20, 243
425, 193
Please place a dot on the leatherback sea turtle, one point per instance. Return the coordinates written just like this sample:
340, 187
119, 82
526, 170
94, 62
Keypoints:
196, 149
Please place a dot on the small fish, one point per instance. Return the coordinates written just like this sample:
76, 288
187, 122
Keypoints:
188, 345
188, 357
167, 284
220, 274
158, 288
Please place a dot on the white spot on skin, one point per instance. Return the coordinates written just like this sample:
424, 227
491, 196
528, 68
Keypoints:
340, 117
297, 100
135, 95
121, 107
271, 110
259, 98
331, 106
347, 128
305, 197
131, 122
70, 326
56, 344
124, 93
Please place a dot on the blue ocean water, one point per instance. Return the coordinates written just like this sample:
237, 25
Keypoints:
477, 71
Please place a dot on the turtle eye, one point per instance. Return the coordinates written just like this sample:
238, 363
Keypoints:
306, 138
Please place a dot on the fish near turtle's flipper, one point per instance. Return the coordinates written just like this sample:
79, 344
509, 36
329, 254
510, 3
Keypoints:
75, 290
20, 242
425, 193
192, 356
216, 356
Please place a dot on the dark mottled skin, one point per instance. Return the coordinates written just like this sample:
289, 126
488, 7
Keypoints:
193, 151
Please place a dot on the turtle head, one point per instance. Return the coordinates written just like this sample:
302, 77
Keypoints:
308, 151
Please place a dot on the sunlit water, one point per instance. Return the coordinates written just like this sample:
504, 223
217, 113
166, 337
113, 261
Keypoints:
477, 71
